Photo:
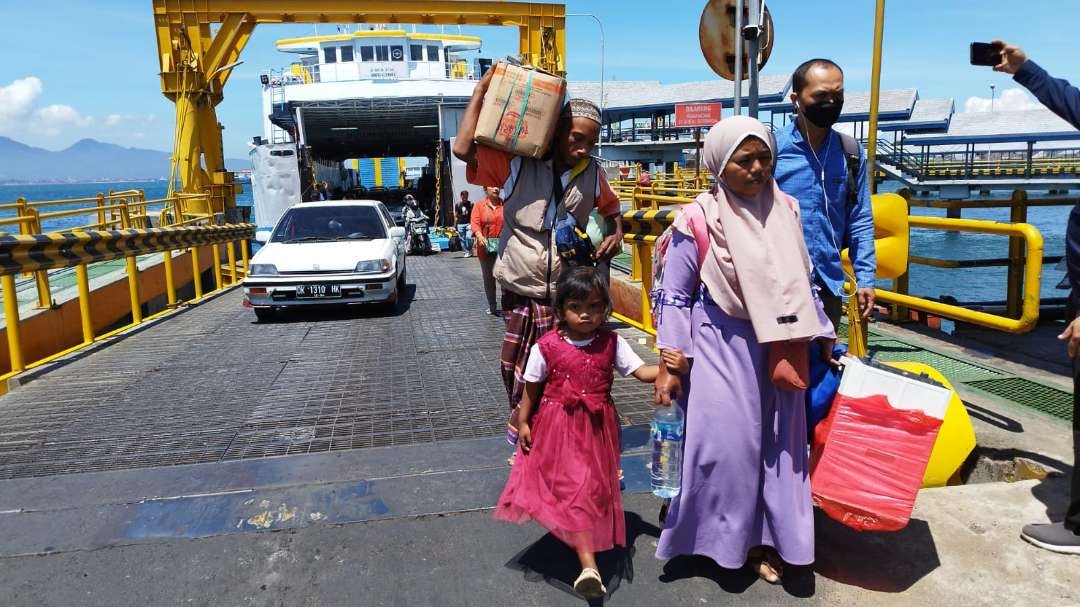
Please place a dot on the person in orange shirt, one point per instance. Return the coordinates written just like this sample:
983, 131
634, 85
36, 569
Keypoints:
486, 224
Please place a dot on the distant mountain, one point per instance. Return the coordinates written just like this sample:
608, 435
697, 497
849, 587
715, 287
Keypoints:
85, 160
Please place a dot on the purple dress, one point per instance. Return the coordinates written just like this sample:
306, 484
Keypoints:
745, 479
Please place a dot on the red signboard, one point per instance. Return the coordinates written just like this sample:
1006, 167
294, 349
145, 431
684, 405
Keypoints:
696, 114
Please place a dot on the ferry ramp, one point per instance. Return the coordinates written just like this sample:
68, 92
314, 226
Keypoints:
205, 458
211, 384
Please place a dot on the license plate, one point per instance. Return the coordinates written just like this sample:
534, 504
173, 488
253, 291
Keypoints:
313, 291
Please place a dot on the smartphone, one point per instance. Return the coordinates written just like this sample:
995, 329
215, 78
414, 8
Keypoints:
985, 53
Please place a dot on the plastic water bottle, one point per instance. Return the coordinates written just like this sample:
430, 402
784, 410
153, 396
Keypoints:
667, 448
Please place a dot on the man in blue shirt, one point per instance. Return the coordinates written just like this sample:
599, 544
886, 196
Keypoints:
812, 166
1064, 100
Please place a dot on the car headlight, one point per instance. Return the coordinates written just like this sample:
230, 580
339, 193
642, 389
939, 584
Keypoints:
263, 269
374, 266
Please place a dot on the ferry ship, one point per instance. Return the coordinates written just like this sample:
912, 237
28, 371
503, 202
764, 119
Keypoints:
366, 111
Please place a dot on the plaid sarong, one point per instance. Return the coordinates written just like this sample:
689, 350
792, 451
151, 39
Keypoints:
526, 320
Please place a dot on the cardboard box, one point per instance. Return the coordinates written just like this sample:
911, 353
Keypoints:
520, 110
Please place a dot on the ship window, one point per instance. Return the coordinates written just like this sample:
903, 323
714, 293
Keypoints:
346, 53
382, 53
330, 54
432, 53
397, 53
416, 52
367, 53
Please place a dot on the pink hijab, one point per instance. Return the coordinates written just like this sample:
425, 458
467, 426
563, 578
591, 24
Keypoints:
757, 266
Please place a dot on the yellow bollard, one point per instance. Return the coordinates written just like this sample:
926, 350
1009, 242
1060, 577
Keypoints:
170, 283
217, 267
11, 317
83, 280
956, 437
133, 290
196, 273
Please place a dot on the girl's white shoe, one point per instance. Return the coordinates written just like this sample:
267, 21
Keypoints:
589, 584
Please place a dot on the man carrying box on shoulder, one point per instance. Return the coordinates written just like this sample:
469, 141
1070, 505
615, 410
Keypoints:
533, 189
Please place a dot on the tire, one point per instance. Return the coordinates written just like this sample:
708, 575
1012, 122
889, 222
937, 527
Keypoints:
264, 314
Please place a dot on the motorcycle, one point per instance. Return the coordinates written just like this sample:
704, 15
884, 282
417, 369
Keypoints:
419, 237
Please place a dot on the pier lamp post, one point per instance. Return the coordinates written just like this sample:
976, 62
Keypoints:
600, 151
992, 87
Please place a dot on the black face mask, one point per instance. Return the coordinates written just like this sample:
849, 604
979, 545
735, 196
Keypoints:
823, 115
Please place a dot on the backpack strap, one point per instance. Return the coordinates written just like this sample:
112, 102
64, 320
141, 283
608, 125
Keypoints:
695, 218
851, 156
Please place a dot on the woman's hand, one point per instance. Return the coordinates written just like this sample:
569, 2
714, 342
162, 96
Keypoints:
668, 387
675, 361
524, 436
827, 344
481, 242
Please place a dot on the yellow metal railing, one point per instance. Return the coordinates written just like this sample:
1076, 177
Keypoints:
122, 210
1032, 274
79, 248
648, 218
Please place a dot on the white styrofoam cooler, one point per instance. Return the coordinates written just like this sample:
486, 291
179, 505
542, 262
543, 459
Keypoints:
903, 390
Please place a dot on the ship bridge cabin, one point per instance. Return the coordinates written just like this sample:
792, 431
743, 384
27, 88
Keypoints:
382, 54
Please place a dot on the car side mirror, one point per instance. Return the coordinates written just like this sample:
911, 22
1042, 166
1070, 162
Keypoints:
397, 232
262, 237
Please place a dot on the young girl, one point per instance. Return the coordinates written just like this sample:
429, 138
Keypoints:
566, 473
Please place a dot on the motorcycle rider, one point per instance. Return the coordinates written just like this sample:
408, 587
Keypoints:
413, 215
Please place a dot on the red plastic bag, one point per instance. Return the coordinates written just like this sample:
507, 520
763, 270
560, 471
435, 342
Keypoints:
868, 462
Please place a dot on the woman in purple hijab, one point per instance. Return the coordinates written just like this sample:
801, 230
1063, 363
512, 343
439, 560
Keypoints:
745, 487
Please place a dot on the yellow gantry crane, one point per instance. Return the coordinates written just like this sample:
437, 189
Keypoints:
196, 59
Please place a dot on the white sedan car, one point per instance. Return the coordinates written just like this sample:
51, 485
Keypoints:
332, 252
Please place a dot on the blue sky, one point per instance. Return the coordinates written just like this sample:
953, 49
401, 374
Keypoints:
80, 69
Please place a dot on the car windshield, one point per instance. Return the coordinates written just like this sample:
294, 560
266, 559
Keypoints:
323, 223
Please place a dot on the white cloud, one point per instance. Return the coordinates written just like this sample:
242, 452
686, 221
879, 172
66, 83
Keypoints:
115, 120
1009, 100
58, 118
24, 116
17, 100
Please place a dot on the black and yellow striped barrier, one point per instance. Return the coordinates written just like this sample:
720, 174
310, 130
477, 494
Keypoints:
645, 225
78, 249
35, 252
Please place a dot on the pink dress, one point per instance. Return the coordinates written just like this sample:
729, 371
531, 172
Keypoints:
569, 481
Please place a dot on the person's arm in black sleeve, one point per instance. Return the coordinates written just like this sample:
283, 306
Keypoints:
1072, 249
1056, 94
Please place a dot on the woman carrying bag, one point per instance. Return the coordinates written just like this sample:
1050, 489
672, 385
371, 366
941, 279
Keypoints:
486, 225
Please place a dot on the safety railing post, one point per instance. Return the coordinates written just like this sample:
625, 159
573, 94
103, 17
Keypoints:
1015, 285
231, 248
196, 273
636, 269
125, 216
170, 281
11, 319
645, 253
101, 211
133, 289
244, 256
82, 279
26, 226
217, 266
41, 277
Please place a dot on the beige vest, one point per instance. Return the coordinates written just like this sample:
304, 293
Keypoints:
528, 264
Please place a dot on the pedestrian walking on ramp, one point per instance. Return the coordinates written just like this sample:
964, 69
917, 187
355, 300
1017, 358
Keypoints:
566, 473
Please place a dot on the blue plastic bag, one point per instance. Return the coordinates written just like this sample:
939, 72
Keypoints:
824, 384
